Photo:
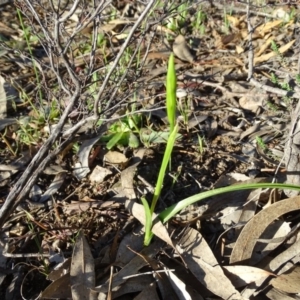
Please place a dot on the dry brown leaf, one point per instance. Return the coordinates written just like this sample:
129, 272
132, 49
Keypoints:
20, 164
164, 29
265, 28
82, 166
148, 293
59, 288
249, 208
182, 50
273, 236
132, 267
239, 49
99, 174
253, 99
54, 170
4, 29
266, 42
202, 263
245, 243
81, 206
229, 38
128, 174
274, 294
115, 158
267, 56
244, 33
111, 25
135, 241
235, 22
60, 270
291, 152
133, 285
290, 254
82, 270
288, 282
217, 37
243, 275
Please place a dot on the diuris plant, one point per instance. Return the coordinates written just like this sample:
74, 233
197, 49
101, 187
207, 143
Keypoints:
171, 211
171, 113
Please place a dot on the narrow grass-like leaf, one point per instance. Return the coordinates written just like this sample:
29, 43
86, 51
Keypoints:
171, 92
171, 211
148, 225
163, 167
114, 140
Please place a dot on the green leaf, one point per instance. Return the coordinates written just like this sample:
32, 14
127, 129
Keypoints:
171, 211
171, 92
133, 141
148, 225
156, 137
114, 140
163, 167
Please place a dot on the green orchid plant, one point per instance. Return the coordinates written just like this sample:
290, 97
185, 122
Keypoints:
171, 211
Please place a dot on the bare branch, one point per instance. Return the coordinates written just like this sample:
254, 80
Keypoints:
117, 59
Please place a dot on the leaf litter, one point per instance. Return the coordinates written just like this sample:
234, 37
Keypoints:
239, 244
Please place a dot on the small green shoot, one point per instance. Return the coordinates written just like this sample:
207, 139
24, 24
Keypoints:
176, 176
226, 26
183, 111
178, 20
201, 144
75, 148
101, 41
198, 24
274, 48
284, 85
261, 143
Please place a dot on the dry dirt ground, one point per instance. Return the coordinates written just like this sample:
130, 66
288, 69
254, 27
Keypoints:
83, 131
